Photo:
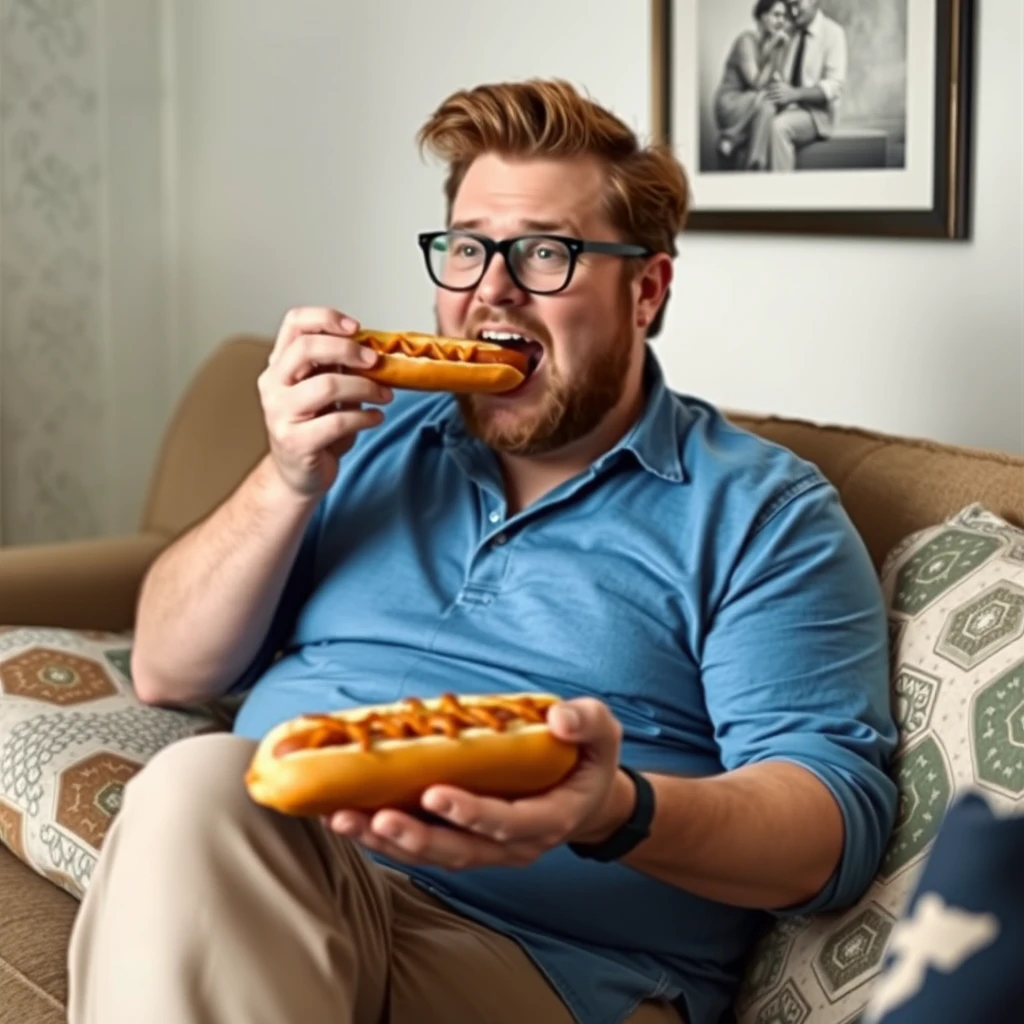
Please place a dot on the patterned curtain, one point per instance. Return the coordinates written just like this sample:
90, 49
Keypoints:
66, 90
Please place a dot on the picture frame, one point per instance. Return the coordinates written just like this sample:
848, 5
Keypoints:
889, 156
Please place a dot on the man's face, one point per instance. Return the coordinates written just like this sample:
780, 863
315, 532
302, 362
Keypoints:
585, 335
804, 11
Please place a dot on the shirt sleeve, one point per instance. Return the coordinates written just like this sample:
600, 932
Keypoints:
833, 75
296, 590
796, 668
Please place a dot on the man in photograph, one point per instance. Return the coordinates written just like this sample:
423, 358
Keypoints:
804, 100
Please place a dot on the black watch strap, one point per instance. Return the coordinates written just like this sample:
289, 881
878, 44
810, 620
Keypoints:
631, 833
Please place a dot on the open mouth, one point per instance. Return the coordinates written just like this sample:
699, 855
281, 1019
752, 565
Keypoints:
533, 350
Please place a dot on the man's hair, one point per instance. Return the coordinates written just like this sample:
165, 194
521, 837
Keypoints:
647, 197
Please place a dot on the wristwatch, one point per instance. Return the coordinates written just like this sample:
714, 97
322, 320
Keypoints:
631, 833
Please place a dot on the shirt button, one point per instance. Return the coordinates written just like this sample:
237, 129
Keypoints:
495, 517
499, 540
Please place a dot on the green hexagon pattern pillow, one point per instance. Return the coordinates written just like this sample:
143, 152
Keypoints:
955, 595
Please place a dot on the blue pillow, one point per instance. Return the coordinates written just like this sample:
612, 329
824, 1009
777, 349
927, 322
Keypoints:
957, 953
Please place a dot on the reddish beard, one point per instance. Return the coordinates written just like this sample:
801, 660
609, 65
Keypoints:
566, 410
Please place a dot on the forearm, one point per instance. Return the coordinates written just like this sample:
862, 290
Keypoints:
764, 75
768, 836
812, 96
208, 600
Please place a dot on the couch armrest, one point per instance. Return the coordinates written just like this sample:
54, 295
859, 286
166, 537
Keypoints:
90, 584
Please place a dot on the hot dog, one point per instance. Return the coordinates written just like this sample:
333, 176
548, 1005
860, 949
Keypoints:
426, 362
388, 755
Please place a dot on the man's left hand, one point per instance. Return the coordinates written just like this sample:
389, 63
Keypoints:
782, 93
594, 800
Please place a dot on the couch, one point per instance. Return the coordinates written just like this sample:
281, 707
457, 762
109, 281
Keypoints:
891, 487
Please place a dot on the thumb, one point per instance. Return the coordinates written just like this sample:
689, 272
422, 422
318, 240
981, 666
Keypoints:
586, 721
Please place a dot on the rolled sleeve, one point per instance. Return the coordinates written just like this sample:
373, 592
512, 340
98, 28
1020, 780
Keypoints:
796, 669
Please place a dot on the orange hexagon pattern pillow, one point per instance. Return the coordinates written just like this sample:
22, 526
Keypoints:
72, 733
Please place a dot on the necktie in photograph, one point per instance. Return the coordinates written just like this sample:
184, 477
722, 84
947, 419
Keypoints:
796, 75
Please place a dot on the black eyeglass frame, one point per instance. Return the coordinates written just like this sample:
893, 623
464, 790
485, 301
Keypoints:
576, 247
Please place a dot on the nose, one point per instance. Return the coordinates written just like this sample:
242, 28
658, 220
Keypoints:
496, 287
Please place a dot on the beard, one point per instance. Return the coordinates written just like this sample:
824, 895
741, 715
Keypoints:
564, 412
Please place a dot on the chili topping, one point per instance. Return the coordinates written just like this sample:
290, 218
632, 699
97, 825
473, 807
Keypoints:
414, 718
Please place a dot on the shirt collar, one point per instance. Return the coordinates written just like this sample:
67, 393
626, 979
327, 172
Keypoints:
814, 28
655, 439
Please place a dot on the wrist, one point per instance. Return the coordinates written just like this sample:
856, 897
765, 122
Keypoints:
616, 811
277, 495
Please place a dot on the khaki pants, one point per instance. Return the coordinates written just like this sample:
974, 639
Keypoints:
207, 909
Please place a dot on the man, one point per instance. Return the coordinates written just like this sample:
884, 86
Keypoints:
697, 597
806, 99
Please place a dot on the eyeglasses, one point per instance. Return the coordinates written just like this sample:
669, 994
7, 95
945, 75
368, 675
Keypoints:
542, 264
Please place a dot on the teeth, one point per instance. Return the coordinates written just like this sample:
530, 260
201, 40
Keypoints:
502, 336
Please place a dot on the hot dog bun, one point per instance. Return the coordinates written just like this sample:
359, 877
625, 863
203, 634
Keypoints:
426, 362
387, 755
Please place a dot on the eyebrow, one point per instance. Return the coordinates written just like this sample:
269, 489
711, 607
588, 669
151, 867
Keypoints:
547, 226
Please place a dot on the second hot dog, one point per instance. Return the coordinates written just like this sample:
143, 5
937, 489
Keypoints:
387, 756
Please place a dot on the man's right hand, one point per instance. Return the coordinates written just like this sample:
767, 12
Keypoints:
312, 407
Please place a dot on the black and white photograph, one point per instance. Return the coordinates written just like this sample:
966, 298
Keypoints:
830, 116
795, 85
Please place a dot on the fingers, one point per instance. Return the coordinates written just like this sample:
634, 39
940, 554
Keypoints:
310, 320
309, 353
298, 439
539, 821
311, 397
410, 841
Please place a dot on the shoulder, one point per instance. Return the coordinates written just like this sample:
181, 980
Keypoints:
777, 524
745, 42
754, 501
720, 456
831, 29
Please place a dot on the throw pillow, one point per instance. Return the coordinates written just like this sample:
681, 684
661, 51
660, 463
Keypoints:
955, 594
72, 733
954, 956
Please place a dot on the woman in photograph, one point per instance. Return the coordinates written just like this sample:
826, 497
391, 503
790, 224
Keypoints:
755, 59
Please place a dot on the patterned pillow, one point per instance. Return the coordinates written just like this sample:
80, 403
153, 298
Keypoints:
955, 954
72, 733
955, 594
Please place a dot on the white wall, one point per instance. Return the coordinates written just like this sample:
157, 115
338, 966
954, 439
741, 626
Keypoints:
300, 184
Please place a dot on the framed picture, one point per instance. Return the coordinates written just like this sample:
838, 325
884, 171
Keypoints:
841, 117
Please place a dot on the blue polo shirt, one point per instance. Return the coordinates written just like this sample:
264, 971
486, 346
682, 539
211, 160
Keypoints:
704, 583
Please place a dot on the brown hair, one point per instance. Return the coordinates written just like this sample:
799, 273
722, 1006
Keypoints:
647, 198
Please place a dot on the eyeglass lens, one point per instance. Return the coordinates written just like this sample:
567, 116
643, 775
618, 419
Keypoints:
539, 263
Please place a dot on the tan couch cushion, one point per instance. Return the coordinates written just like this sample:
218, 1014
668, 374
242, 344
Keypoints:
215, 437
34, 928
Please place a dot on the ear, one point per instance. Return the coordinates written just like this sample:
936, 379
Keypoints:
650, 287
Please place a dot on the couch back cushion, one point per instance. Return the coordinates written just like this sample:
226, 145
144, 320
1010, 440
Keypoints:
215, 437
893, 486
